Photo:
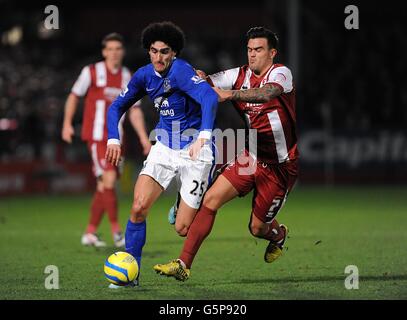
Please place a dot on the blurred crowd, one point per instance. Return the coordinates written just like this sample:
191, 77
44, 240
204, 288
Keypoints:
352, 80
32, 91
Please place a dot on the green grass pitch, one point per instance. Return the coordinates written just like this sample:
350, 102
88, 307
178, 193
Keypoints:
330, 228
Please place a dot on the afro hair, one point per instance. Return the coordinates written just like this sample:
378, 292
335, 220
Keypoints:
165, 31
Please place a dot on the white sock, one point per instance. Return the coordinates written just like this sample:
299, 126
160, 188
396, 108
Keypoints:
182, 263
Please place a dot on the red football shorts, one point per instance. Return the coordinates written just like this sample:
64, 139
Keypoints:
270, 183
97, 150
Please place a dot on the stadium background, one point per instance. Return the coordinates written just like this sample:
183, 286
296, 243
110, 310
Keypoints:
351, 108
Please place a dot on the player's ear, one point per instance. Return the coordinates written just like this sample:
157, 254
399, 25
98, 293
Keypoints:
104, 52
273, 53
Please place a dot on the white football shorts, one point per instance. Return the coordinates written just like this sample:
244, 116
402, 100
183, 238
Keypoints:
163, 164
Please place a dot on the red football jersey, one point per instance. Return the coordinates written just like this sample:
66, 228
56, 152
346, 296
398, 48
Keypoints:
101, 87
275, 121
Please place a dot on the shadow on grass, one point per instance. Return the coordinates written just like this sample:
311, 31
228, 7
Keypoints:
106, 251
128, 291
324, 279
309, 279
179, 240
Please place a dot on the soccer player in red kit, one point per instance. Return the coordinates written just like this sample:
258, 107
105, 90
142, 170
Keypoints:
100, 84
263, 93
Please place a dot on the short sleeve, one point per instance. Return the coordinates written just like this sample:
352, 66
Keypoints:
283, 77
82, 84
225, 79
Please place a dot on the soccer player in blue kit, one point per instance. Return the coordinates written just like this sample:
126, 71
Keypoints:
187, 106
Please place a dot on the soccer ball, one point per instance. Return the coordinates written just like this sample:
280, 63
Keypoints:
121, 268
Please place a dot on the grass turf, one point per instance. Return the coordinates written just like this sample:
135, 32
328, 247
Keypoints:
329, 229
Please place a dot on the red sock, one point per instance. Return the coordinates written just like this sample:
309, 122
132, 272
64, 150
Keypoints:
96, 212
111, 206
275, 232
198, 231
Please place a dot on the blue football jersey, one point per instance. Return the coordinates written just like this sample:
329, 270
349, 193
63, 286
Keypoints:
187, 104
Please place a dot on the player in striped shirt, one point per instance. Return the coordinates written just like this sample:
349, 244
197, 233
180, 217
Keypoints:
100, 83
264, 95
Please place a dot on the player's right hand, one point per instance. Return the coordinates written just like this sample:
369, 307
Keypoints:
67, 133
113, 154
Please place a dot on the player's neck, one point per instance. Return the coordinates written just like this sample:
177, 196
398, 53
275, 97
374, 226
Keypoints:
264, 71
113, 67
164, 72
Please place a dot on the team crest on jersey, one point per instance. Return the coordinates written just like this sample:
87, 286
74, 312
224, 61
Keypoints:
167, 85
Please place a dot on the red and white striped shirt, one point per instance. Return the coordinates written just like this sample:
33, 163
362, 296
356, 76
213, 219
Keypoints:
275, 120
101, 87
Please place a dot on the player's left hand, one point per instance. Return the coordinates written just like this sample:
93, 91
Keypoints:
113, 154
196, 148
223, 95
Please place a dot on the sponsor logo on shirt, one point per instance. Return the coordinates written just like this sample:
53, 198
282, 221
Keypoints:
162, 105
253, 108
197, 79
167, 112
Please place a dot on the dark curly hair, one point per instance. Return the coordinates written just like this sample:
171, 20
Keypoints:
261, 32
165, 31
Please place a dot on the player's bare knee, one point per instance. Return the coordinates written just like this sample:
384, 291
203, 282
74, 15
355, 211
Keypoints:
139, 206
99, 185
108, 185
211, 200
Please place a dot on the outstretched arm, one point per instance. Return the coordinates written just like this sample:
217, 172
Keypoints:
280, 80
254, 95
223, 82
209, 103
199, 90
